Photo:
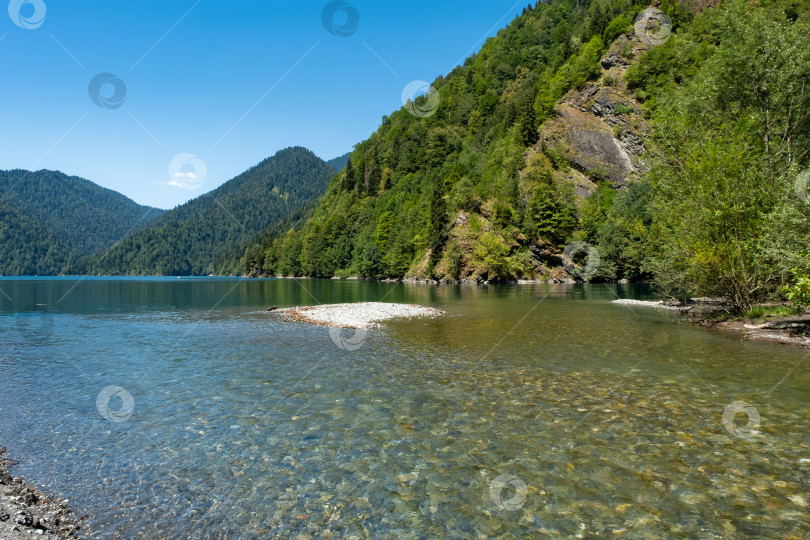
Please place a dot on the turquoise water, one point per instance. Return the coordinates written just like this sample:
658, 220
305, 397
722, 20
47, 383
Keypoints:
181, 408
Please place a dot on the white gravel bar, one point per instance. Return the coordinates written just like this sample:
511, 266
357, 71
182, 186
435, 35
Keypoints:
643, 303
357, 315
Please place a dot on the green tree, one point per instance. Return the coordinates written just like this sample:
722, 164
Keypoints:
599, 19
373, 176
436, 226
349, 179
617, 27
553, 216
730, 141
527, 119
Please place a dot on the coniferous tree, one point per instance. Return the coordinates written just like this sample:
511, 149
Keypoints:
599, 20
349, 181
373, 174
438, 218
528, 120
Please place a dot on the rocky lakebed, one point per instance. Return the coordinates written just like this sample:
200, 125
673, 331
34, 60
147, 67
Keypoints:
26, 512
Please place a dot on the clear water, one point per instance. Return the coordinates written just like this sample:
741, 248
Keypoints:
240, 425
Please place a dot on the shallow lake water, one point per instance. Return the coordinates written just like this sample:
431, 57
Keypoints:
181, 408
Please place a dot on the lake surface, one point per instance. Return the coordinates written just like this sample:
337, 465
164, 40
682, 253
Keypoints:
180, 408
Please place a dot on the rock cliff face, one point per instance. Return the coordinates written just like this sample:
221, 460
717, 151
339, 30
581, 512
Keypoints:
513, 207
601, 132
600, 129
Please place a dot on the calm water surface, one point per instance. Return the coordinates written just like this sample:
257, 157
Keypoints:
527, 410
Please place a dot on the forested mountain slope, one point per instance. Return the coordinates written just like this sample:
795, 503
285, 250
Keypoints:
443, 189
29, 249
190, 239
50, 220
648, 144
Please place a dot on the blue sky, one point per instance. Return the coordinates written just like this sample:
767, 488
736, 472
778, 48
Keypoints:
230, 82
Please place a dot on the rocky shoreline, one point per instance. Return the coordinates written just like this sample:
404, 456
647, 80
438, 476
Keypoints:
26, 512
561, 278
714, 313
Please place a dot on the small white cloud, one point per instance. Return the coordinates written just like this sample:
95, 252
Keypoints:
189, 175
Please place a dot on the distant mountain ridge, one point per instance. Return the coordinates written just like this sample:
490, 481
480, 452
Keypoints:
191, 238
339, 162
51, 220
97, 217
52, 223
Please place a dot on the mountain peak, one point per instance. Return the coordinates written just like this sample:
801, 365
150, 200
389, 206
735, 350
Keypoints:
193, 238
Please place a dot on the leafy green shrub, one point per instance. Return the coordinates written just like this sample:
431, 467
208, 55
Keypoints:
556, 155
455, 260
621, 109
627, 50
492, 255
798, 294
617, 27
760, 312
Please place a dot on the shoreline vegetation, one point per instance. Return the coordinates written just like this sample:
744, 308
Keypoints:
25, 511
443, 281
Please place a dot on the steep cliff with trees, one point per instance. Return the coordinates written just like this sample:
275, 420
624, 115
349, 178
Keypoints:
587, 125
441, 189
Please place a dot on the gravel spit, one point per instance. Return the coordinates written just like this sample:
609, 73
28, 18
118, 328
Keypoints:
358, 315
644, 303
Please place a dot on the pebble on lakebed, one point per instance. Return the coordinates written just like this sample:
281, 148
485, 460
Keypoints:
356, 315
26, 512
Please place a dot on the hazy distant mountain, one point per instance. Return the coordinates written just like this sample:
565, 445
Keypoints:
339, 162
190, 239
50, 220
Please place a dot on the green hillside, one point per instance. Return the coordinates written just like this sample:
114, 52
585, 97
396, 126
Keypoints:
29, 249
669, 156
51, 220
192, 238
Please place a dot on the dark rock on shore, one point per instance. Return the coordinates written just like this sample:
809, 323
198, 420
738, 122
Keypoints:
714, 313
25, 511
